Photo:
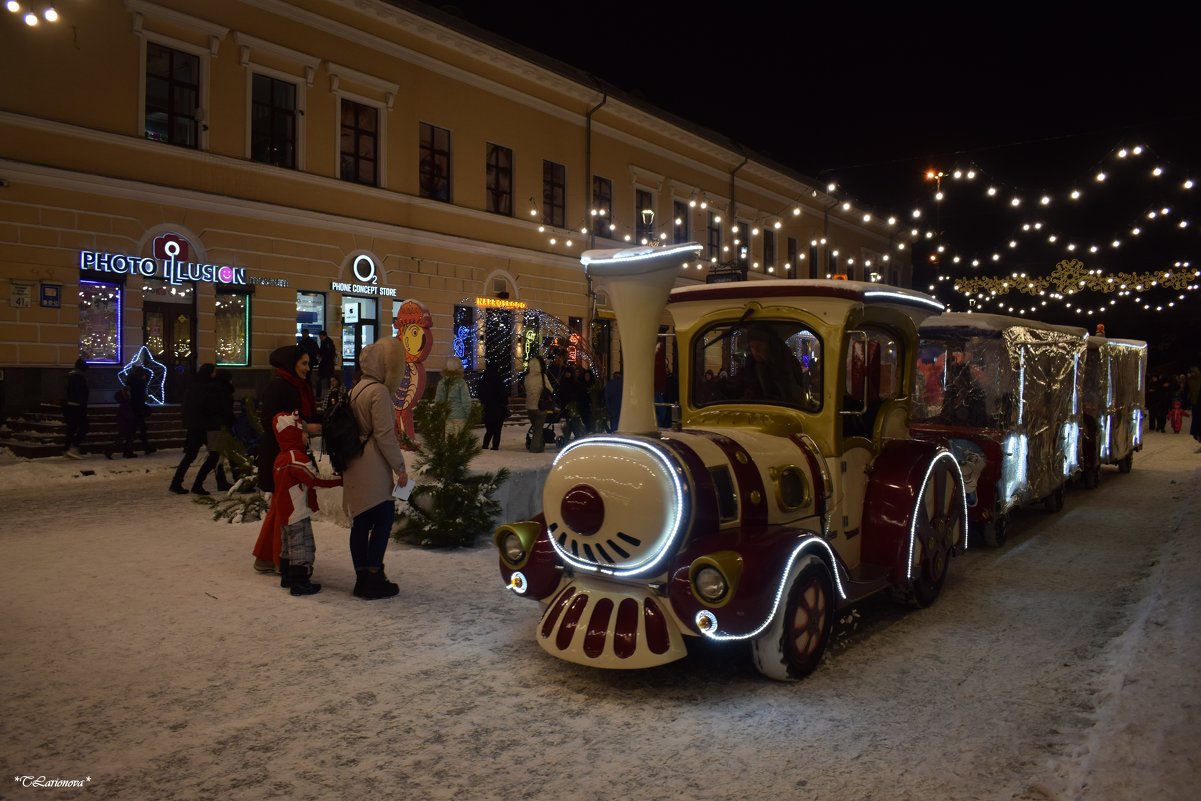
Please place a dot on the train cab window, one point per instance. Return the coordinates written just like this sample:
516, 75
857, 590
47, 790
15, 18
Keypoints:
756, 361
874, 375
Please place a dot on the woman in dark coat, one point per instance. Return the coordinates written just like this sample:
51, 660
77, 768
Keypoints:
288, 390
495, 399
195, 427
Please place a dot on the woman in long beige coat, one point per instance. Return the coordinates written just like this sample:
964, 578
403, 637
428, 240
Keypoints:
369, 479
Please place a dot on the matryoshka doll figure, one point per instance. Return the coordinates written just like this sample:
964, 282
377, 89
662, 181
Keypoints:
413, 323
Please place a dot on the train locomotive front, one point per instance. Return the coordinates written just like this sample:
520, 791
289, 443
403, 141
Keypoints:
733, 526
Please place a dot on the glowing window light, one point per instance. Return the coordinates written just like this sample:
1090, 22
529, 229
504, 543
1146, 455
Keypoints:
116, 293
709, 628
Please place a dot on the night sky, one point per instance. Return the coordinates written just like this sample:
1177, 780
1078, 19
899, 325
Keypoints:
1036, 99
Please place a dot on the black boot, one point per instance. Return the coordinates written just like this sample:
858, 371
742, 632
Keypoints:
177, 489
177, 480
285, 575
223, 484
301, 585
198, 489
372, 584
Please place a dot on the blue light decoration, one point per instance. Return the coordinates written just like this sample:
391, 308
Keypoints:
158, 375
462, 340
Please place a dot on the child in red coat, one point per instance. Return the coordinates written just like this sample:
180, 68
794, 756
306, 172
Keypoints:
294, 502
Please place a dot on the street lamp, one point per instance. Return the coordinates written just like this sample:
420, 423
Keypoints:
648, 226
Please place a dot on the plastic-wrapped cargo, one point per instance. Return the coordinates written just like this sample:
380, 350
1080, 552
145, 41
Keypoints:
1004, 395
1114, 405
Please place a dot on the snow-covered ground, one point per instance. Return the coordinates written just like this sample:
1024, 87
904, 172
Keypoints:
143, 658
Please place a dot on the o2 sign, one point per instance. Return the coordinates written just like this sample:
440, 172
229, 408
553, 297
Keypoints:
364, 269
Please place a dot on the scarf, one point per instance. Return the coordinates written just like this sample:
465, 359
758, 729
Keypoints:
308, 405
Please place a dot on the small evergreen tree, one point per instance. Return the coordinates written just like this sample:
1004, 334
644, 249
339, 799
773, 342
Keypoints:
453, 507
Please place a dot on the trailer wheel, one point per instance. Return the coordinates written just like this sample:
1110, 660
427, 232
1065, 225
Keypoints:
997, 531
1054, 501
938, 531
793, 644
1127, 464
1092, 477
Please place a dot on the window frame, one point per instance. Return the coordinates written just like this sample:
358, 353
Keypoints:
602, 202
494, 175
380, 136
429, 152
202, 89
681, 231
713, 237
297, 114
644, 199
554, 194
247, 297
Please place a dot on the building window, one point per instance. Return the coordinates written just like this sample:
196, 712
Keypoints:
273, 122
435, 162
359, 143
769, 251
310, 313
813, 262
794, 269
554, 194
172, 95
602, 206
232, 328
500, 180
681, 222
832, 262
714, 233
644, 226
100, 322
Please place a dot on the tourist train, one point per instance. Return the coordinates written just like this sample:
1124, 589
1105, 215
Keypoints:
795, 479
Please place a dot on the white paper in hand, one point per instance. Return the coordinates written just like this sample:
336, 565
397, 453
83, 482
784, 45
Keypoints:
403, 491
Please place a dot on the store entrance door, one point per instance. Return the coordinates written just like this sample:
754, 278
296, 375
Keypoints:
359, 327
168, 329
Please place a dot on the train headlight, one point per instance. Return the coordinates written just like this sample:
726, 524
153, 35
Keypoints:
512, 548
710, 583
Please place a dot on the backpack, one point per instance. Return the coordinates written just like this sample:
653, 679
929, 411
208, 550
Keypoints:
340, 435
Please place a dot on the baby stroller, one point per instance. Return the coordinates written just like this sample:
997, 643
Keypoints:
549, 438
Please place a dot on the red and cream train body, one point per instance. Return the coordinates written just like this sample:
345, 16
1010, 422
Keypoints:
790, 488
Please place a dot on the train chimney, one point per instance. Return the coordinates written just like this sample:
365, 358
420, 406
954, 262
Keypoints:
638, 281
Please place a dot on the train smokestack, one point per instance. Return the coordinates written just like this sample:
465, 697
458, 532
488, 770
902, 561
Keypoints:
638, 281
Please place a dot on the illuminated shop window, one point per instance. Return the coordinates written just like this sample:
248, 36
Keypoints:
100, 322
310, 313
232, 327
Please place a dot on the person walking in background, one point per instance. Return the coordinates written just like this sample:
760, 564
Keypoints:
127, 425
495, 398
371, 478
219, 416
454, 392
1193, 402
535, 389
195, 423
334, 394
327, 364
310, 348
139, 377
75, 409
288, 390
1159, 400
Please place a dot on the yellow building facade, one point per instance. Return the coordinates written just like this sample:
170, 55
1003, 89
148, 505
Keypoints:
191, 182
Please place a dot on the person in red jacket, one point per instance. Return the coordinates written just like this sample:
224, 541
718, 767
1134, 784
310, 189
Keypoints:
294, 502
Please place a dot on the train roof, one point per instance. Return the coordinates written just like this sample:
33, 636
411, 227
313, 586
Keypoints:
855, 291
993, 324
1097, 341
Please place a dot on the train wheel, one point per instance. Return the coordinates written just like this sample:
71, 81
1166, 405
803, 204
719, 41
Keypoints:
939, 526
1054, 501
1127, 464
996, 532
792, 645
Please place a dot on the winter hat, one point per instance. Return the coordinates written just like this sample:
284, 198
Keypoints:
453, 365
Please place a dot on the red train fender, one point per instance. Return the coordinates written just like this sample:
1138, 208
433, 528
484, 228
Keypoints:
897, 477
